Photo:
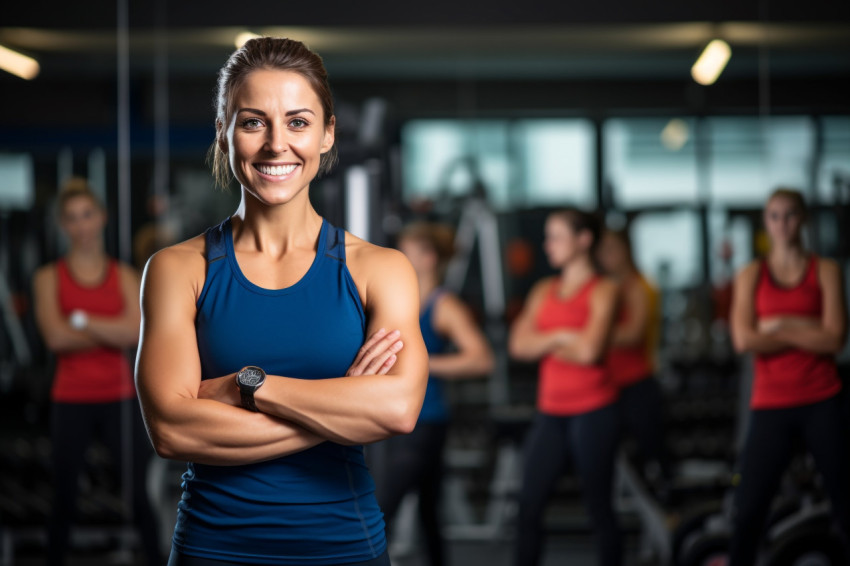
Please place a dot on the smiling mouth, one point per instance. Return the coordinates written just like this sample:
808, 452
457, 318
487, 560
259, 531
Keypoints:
276, 170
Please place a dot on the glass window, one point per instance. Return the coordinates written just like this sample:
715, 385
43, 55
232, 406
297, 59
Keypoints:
749, 157
834, 166
667, 247
521, 163
17, 189
650, 161
557, 162
440, 157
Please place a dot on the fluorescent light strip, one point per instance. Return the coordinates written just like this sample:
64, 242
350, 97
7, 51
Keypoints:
18, 64
711, 62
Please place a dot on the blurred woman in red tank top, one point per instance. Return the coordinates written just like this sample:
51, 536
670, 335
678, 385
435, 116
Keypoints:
631, 359
87, 310
565, 324
788, 310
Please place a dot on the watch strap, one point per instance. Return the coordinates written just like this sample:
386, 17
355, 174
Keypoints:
248, 399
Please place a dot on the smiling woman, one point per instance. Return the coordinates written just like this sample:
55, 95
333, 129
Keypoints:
254, 363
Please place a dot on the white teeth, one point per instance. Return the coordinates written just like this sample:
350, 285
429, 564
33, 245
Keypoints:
276, 170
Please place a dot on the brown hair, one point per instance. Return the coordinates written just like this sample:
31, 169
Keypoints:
581, 221
438, 237
76, 187
268, 53
794, 196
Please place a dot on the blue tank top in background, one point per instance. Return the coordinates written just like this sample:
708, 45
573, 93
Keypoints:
435, 407
314, 507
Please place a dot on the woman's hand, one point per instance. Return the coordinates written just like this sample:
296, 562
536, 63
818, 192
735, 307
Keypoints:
378, 354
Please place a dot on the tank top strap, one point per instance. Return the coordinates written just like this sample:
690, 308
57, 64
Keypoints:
216, 245
335, 243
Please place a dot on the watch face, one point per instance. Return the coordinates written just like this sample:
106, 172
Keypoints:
251, 376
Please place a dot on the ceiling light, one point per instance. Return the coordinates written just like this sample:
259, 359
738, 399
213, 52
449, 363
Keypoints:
18, 64
675, 134
711, 62
243, 37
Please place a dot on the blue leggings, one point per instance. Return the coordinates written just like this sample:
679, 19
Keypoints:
590, 441
767, 452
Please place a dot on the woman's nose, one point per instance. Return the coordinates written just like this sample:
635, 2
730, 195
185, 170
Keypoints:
276, 140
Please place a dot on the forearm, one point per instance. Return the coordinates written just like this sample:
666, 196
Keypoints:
755, 342
113, 332
580, 351
210, 432
62, 339
530, 346
347, 410
460, 365
815, 339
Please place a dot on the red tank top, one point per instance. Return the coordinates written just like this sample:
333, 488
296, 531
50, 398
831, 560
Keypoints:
628, 365
791, 377
567, 388
98, 375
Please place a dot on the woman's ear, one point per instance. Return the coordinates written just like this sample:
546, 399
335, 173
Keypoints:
330, 134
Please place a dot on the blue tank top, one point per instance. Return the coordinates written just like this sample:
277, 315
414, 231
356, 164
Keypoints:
435, 408
313, 507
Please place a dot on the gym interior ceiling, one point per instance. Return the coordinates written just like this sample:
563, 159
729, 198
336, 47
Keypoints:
438, 58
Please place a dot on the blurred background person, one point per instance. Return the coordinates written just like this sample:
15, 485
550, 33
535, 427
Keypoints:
566, 324
631, 359
87, 310
789, 311
457, 349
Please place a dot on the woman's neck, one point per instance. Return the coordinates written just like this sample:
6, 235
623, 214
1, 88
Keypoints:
785, 254
276, 229
576, 272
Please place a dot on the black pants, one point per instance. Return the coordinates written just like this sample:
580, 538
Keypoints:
590, 441
178, 559
73, 428
414, 462
642, 417
767, 452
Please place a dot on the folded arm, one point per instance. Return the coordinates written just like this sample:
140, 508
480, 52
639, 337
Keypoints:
181, 425
527, 343
120, 331
588, 344
824, 335
370, 407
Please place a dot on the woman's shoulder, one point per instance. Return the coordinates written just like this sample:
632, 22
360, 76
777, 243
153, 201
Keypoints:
181, 259
361, 255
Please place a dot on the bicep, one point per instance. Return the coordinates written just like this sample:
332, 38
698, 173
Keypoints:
393, 304
834, 317
601, 320
130, 289
168, 363
525, 320
48, 314
743, 314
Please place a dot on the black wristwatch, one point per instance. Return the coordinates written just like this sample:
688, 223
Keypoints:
248, 380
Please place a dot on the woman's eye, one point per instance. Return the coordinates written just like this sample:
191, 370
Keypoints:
298, 123
251, 123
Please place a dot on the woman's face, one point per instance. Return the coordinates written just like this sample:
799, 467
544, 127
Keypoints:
560, 242
82, 220
276, 135
421, 256
783, 220
611, 253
